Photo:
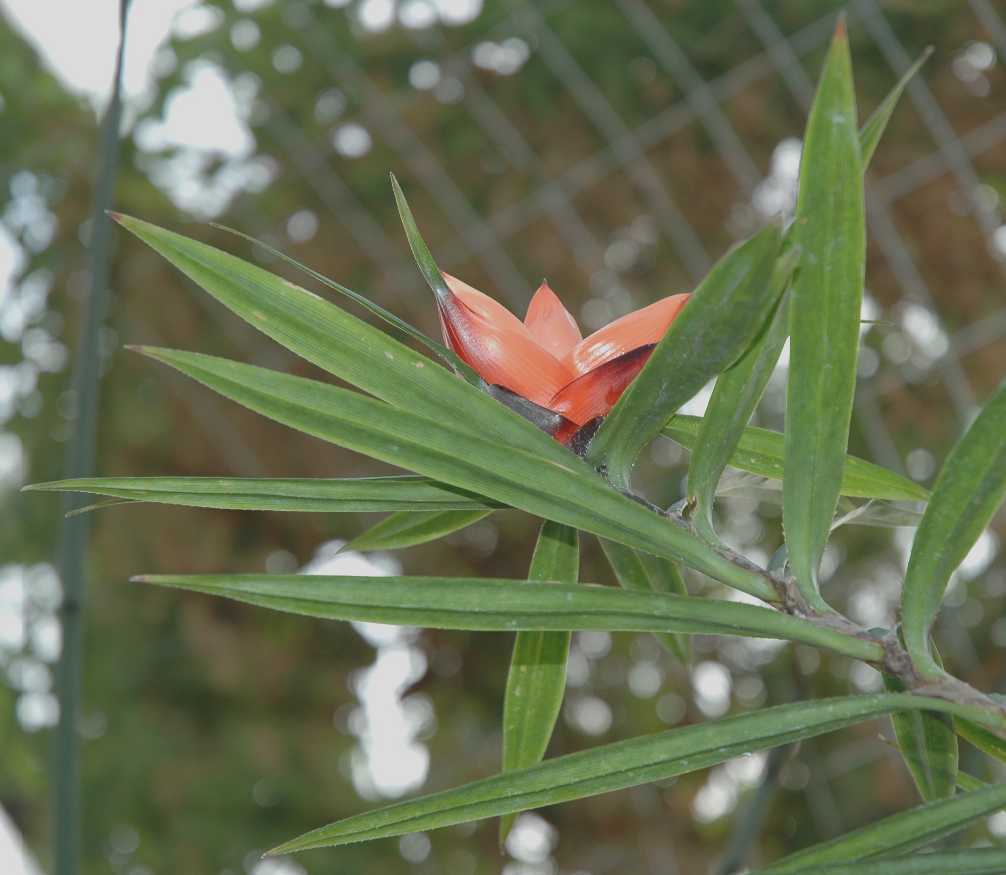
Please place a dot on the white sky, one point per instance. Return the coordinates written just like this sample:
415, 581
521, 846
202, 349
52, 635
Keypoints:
77, 40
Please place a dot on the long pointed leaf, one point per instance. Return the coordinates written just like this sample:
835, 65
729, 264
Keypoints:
342, 344
735, 396
985, 861
644, 573
738, 389
928, 745
561, 488
492, 604
873, 128
897, 834
345, 494
420, 251
969, 783
978, 736
761, 450
446, 355
609, 767
824, 318
537, 679
968, 491
720, 321
407, 528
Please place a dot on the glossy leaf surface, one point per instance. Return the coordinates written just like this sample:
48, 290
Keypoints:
825, 305
969, 490
897, 834
407, 528
761, 450
498, 604
609, 767
561, 488
985, 861
536, 682
644, 573
336, 495
720, 321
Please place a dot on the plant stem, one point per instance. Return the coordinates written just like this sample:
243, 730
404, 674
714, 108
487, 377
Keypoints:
80, 463
840, 634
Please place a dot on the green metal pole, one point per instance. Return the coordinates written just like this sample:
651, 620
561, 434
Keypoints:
80, 463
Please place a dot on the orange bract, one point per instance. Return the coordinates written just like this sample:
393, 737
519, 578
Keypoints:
545, 358
552, 325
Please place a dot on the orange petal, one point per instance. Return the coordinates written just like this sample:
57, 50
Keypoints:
595, 393
488, 308
635, 329
501, 350
550, 323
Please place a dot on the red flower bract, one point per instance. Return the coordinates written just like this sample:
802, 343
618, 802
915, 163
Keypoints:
545, 358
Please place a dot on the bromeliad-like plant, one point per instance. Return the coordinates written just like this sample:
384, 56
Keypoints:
529, 415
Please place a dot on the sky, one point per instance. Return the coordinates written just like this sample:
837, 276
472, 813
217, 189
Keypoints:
87, 65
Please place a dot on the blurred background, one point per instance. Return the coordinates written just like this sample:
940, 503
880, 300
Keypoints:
616, 149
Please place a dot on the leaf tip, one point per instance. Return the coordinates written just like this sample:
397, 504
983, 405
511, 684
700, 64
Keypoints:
289, 847
396, 189
841, 31
140, 348
140, 578
79, 511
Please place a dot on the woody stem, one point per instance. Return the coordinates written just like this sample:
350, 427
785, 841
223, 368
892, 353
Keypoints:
891, 657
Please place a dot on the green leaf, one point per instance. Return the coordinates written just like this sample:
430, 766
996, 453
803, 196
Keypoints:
610, 767
897, 834
448, 356
760, 451
346, 494
824, 318
720, 321
978, 736
495, 604
556, 485
735, 396
420, 251
969, 783
928, 745
644, 573
342, 344
968, 491
407, 528
884, 514
985, 861
366, 357
873, 129
537, 679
